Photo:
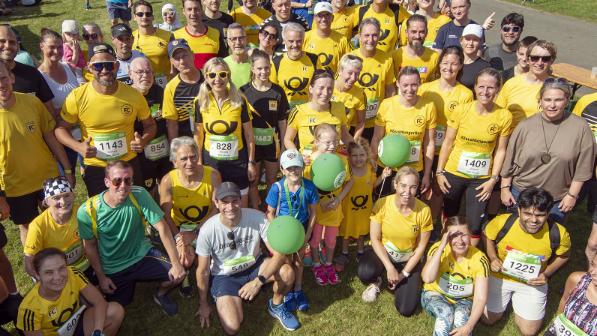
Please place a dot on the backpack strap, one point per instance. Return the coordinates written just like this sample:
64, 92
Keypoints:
136, 205
277, 183
554, 237
507, 226
91, 207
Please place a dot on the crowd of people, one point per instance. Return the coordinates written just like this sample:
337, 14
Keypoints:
177, 129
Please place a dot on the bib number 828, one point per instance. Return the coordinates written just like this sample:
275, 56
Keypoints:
522, 267
224, 146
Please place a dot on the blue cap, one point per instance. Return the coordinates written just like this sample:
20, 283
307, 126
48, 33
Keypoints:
177, 44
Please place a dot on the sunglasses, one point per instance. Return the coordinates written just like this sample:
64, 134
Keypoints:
269, 35
99, 66
507, 29
90, 36
232, 244
545, 59
118, 181
144, 14
557, 80
221, 74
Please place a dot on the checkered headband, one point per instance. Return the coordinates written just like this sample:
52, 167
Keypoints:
56, 186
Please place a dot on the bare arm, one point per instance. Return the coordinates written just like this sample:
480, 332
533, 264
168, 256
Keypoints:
62, 133
199, 138
57, 149
289, 137
166, 202
93, 296
282, 127
149, 130
571, 283
390, 90
378, 134
203, 286
479, 302
431, 268
380, 250
491, 250
346, 137
172, 128
429, 145
591, 249
360, 127
419, 252
177, 270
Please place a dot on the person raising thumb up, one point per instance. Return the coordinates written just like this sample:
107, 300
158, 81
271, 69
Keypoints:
137, 143
88, 150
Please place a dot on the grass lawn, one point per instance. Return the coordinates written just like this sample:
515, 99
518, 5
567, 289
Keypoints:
334, 310
586, 10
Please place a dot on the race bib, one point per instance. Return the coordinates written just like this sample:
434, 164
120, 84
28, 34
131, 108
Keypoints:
156, 111
223, 147
440, 135
474, 164
564, 327
69, 327
371, 108
415, 151
264, 136
238, 265
110, 146
456, 288
74, 253
396, 254
157, 148
522, 266
161, 80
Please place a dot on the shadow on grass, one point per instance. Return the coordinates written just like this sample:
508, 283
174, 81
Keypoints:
22, 12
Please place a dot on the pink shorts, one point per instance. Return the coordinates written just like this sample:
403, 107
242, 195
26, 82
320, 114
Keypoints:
329, 236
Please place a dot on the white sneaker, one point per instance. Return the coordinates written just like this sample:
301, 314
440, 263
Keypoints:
371, 292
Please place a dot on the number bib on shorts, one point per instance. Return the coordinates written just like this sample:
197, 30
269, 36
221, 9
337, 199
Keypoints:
474, 164
521, 265
456, 288
223, 147
396, 254
161, 80
440, 135
415, 151
371, 108
263, 136
157, 148
238, 265
564, 327
69, 327
110, 146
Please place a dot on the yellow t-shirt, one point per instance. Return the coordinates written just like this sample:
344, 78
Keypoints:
426, 64
387, 20
251, 22
377, 72
537, 244
399, 233
358, 204
108, 119
25, 159
52, 317
583, 102
455, 279
354, 100
343, 22
294, 76
204, 46
155, 48
44, 232
304, 119
412, 122
223, 127
433, 25
191, 206
580, 109
520, 97
328, 50
476, 138
445, 103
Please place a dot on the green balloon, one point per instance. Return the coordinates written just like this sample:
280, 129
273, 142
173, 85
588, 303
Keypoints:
286, 234
328, 172
393, 150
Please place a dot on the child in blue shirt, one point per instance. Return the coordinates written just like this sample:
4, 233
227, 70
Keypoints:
294, 196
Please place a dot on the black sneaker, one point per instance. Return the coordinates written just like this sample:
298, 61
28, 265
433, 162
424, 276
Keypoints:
168, 306
186, 290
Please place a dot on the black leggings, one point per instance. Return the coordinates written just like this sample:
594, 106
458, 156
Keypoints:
407, 294
475, 209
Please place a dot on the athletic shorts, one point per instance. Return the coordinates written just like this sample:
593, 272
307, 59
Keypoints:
153, 267
94, 177
118, 11
229, 285
528, 301
266, 153
24, 209
153, 171
231, 170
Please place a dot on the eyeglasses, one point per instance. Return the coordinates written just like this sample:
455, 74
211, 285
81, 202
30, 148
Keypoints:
269, 35
557, 80
221, 74
90, 36
117, 181
236, 38
144, 14
507, 29
232, 244
143, 72
545, 59
99, 66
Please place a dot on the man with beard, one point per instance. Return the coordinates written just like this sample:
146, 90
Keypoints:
106, 111
238, 61
122, 40
525, 249
414, 53
503, 56
281, 17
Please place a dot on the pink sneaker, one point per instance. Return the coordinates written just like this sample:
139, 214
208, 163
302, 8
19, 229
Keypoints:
321, 275
332, 275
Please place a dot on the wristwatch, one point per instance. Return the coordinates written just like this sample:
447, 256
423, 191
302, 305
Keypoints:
97, 332
405, 273
262, 279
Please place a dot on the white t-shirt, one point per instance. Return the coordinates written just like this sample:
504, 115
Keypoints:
213, 241
60, 91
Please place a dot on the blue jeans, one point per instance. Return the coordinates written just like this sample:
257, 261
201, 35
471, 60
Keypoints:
448, 316
555, 213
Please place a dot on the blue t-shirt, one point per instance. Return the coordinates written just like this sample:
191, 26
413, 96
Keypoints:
311, 196
449, 35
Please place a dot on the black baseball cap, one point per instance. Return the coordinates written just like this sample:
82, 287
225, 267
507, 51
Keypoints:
227, 189
101, 48
121, 29
177, 44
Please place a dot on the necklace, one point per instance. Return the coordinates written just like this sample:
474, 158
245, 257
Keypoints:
546, 156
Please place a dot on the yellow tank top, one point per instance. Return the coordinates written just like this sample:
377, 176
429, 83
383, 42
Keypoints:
191, 206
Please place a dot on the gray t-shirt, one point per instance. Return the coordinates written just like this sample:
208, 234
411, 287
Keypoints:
499, 58
213, 242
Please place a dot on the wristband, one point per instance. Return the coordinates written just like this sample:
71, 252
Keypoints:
405, 273
68, 171
440, 173
262, 279
504, 187
495, 177
569, 194
252, 162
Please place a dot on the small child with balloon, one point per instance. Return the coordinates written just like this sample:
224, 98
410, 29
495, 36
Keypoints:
328, 171
297, 197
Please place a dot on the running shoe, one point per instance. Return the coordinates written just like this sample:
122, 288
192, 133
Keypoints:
290, 301
186, 290
341, 261
333, 278
168, 306
286, 318
301, 300
371, 292
320, 274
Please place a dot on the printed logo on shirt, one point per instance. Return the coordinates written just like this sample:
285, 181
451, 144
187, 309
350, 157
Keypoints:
297, 85
30, 126
359, 202
324, 60
452, 105
220, 127
366, 80
64, 315
384, 34
194, 213
126, 109
419, 120
273, 105
493, 129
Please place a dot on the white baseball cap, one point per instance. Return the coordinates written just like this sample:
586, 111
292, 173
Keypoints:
70, 26
473, 29
291, 158
323, 6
